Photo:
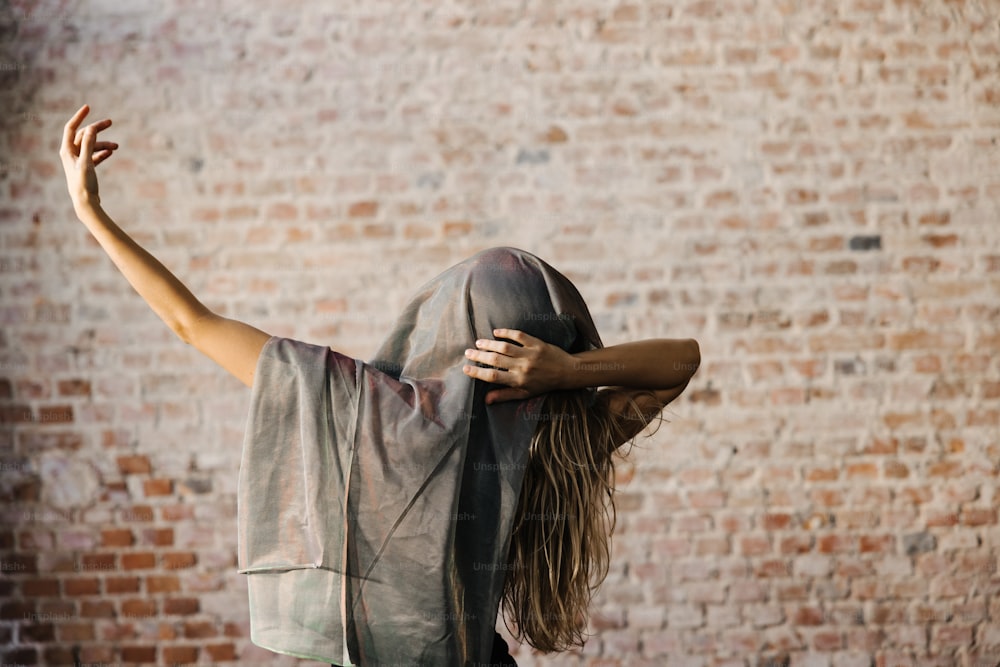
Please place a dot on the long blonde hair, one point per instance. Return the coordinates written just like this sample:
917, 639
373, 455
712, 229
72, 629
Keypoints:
560, 546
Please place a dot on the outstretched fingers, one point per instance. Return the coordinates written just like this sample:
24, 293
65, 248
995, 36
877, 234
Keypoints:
70, 130
102, 155
87, 145
89, 148
95, 127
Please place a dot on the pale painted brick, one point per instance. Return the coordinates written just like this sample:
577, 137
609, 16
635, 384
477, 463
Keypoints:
808, 190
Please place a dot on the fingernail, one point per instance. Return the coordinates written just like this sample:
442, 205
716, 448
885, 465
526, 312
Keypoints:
468, 353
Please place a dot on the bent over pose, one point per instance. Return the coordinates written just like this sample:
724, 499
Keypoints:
388, 508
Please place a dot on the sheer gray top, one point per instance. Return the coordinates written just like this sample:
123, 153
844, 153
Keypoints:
376, 499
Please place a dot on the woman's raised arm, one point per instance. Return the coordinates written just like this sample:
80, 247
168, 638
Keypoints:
233, 345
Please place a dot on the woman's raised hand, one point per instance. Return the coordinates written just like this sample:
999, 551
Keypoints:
81, 152
528, 369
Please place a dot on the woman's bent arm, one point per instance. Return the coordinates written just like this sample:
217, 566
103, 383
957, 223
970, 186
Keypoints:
662, 363
529, 366
164, 293
232, 344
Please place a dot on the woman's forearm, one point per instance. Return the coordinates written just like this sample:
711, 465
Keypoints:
660, 363
164, 293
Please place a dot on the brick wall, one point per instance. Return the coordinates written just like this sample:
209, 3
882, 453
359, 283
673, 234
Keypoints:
810, 189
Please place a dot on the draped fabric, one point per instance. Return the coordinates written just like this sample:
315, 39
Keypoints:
376, 499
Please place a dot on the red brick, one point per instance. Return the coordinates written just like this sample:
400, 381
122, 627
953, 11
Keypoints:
16, 611
877, 543
452, 228
834, 543
114, 585
205, 214
940, 240
365, 209
772, 567
846, 341
801, 196
822, 474
895, 420
181, 606
19, 563
138, 653
40, 588
865, 470
75, 632
166, 631
827, 640
117, 537
158, 537
200, 629
137, 513
157, 487
235, 630
221, 652
776, 521
75, 387
879, 445
978, 516
182, 512
40, 633
895, 470
94, 654
808, 616
179, 560
138, 608
97, 562
63, 609
138, 561
55, 414
939, 218
97, 609
128, 465
89, 586
946, 468
378, 231
180, 654
162, 584
937, 517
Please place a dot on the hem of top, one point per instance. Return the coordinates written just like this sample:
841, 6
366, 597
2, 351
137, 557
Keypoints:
304, 656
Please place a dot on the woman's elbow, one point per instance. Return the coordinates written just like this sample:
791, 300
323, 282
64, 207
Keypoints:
694, 356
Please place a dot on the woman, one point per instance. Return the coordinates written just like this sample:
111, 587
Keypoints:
387, 508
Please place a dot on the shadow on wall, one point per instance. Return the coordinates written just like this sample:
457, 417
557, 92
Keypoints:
20, 80
24, 33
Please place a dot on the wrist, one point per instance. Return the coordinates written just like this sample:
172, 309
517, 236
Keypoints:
86, 203
578, 372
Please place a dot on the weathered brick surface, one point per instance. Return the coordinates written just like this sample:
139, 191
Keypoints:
810, 189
